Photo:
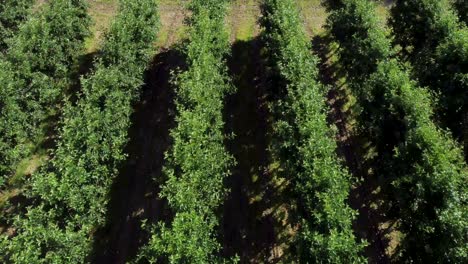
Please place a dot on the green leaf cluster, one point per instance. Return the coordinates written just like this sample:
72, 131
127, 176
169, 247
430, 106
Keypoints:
430, 176
363, 43
72, 192
306, 144
436, 43
12, 14
13, 122
36, 71
423, 163
198, 163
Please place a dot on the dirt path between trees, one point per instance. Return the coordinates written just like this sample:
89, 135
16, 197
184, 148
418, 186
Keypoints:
256, 223
246, 231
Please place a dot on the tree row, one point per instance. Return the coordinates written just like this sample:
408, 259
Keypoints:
423, 166
69, 195
306, 145
197, 163
435, 42
36, 72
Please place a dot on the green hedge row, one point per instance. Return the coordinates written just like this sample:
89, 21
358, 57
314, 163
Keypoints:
198, 163
71, 192
306, 144
425, 167
436, 44
36, 70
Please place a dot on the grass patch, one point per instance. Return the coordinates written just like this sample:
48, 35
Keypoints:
242, 18
314, 15
246, 29
101, 12
162, 38
173, 29
27, 167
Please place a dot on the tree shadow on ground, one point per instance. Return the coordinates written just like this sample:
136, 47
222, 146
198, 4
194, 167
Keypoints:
254, 214
135, 192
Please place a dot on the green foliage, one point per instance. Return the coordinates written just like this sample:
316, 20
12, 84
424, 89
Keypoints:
421, 24
72, 192
47, 47
363, 42
436, 44
424, 165
13, 122
430, 173
38, 65
12, 14
448, 76
198, 163
306, 145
